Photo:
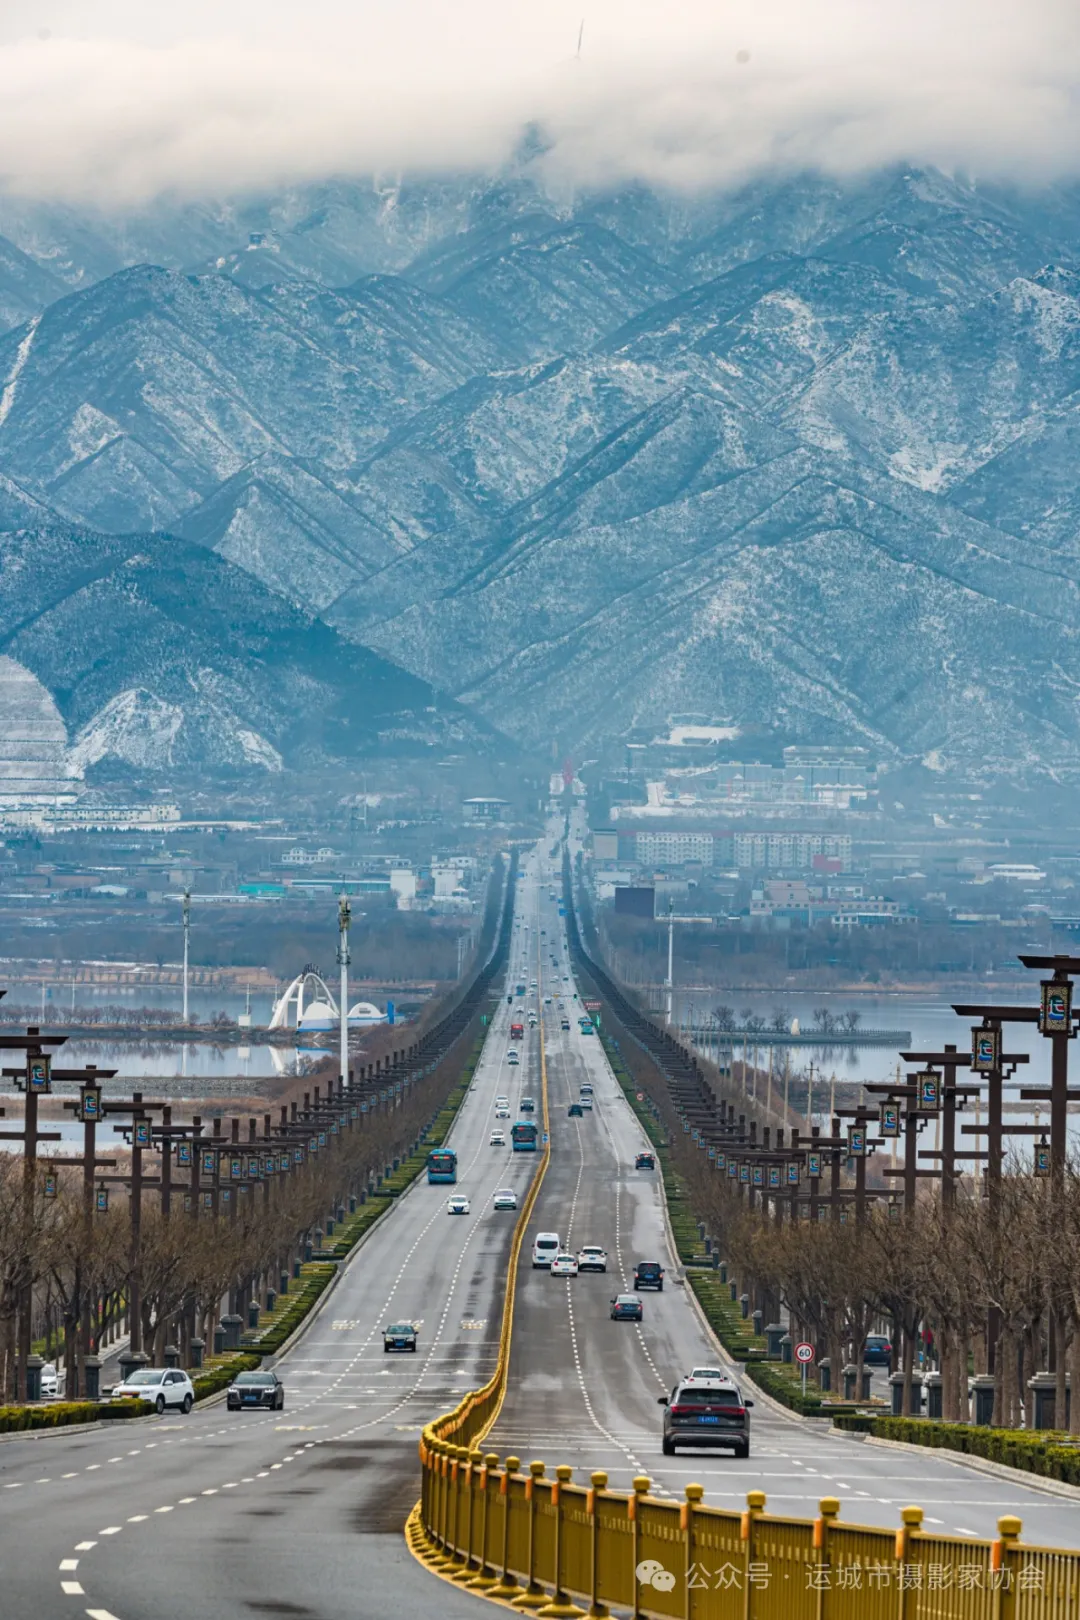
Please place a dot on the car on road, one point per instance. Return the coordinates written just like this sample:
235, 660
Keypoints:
545, 1248
649, 1274
706, 1414
502, 1113
575, 1111
877, 1352
592, 1258
497, 1139
161, 1386
626, 1308
645, 1161
50, 1382
256, 1389
565, 1024
505, 1198
564, 1265
528, 1105
586, 1102
458, 1205
709, 1375
502, 1102
399, 1336
513, 1058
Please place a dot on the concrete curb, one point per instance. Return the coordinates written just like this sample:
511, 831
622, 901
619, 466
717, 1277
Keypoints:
978, 1465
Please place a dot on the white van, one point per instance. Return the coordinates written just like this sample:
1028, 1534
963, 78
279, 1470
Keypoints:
545, 1249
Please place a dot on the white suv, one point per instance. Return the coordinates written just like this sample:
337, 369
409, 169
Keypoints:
161, 1386
545, 1249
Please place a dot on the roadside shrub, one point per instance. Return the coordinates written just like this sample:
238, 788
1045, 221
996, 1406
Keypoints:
61, 1414
1041, 1453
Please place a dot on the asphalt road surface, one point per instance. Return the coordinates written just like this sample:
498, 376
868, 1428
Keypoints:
220, 1516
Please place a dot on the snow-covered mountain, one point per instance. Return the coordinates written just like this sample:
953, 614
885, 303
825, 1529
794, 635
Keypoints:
804, 455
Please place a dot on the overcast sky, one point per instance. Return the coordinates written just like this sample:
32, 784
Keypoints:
119, 100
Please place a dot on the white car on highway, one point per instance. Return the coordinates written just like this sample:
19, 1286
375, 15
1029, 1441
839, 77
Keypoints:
497, 1139
502, 1113
592, 1258
505, 1198
502, 1102
564, 1265
458, 1205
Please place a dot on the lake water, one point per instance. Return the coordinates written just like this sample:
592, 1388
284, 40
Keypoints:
931, 1022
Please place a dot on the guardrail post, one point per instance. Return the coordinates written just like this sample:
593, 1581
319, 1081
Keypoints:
469, 1566
507, 1586
560, 1607
458, 1460
441, 1506
694, 1494
534, 1595
598, 1482
1005, 1567
911, 1518
828, 1508
486, 1576
755, 1507
641, 1489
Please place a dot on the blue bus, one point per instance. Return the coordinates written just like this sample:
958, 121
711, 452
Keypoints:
523, 1136
442, 1165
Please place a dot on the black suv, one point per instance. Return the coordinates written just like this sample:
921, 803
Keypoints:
706, 1414
649, 1274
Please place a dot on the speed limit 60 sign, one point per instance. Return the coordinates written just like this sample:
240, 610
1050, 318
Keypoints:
804, 1354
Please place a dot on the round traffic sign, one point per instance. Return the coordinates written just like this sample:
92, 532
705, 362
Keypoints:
804, 1354
641, 1096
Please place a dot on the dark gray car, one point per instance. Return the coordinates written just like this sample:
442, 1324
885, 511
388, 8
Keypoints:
706, 1414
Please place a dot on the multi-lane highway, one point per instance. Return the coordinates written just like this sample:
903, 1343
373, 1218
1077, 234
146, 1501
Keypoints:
584, 1389
300, 1513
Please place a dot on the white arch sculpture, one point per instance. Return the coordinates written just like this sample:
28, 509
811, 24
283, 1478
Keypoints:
310, 983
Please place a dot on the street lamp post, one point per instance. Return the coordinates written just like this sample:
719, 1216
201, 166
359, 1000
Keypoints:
344, 918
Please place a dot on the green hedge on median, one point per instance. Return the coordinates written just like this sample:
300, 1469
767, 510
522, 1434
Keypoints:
1035, 1453
59, 1414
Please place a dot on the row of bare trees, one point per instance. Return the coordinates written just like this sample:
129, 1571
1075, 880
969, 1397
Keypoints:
982, 1279
192, 1266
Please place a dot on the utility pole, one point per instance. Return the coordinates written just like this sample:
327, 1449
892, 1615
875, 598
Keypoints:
187, 934
670, 985
344, 918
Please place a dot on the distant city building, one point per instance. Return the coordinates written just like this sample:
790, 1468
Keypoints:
747, 851
484, 809
605, 844
308, 857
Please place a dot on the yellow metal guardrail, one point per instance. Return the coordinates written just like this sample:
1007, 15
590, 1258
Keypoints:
538, 1543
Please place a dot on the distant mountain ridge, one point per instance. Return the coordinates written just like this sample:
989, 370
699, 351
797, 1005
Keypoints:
804, 455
